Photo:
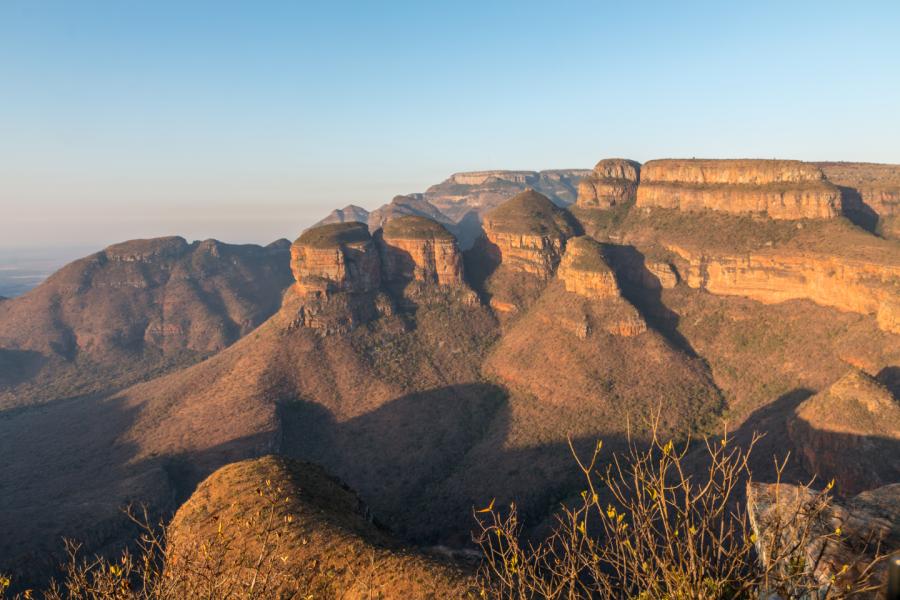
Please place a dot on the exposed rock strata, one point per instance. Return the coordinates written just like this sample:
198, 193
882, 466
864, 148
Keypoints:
529, 232
851, 433
613, 182
418, 249
868, 523
584, 271
771, 276
338, 274
779, 189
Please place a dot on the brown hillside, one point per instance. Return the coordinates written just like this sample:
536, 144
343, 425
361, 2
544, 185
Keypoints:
329, 545
133, 310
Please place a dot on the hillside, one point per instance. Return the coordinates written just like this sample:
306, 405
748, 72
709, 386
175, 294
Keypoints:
432, 379
132, 310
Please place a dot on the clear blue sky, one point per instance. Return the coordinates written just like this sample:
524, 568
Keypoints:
247, 121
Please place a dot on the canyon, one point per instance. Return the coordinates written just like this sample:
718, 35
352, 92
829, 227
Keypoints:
451, 349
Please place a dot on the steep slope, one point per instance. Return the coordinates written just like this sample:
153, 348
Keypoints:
132, 310
327, 545
839, 430
348, 214
870, 194
779, 189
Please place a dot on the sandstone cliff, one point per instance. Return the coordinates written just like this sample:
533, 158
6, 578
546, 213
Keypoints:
338, 274
613, 182
584, 271
851, 433
529, 233
870, 194
779, 189
415, 248
319, 539
862, 285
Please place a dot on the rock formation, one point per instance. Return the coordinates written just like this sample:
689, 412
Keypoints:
779, 189
613, 182
857, 285
868, 523
338, 274
870, 194
851, 433
482, 191
326, 542
415, 248
584, 271
529, 233
349, 214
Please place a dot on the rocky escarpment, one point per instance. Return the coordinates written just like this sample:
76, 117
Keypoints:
870, 194
418, 249
349, 214
305, 532
613, 182
481, 191
584, 271
345, 276
844, 537
848, 283
851, 433
338, 277
779, 189
529, 233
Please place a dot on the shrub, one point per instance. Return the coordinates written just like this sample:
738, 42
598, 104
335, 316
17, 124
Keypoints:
650, 527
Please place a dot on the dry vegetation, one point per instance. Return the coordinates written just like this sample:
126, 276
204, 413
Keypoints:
648, 528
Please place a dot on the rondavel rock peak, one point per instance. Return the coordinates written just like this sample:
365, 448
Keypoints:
453, 347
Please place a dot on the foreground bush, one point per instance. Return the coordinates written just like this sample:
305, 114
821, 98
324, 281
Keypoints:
648, 527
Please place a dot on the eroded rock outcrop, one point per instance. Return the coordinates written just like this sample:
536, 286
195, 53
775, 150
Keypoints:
844, 536
529, 233
418, 249
771, 276
338, 275
779, 189
613, 182
851, 433
584, 271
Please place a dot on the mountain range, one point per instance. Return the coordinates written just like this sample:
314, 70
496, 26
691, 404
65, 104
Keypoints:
446, 350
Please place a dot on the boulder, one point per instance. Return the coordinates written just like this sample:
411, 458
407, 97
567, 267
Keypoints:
844, 537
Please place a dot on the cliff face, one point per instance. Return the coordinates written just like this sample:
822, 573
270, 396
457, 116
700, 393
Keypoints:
839, 431
338, 275
777, 188
529, 233
613, 182
419, 249
855, 285
585, 272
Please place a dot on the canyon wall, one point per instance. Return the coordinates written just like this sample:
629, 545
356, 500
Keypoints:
419, 249
613, 182
529, 233
855, 285
779, 189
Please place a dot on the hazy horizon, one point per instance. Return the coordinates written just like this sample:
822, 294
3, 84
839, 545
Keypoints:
246, 124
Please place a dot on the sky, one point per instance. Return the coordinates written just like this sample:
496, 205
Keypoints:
248, 121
